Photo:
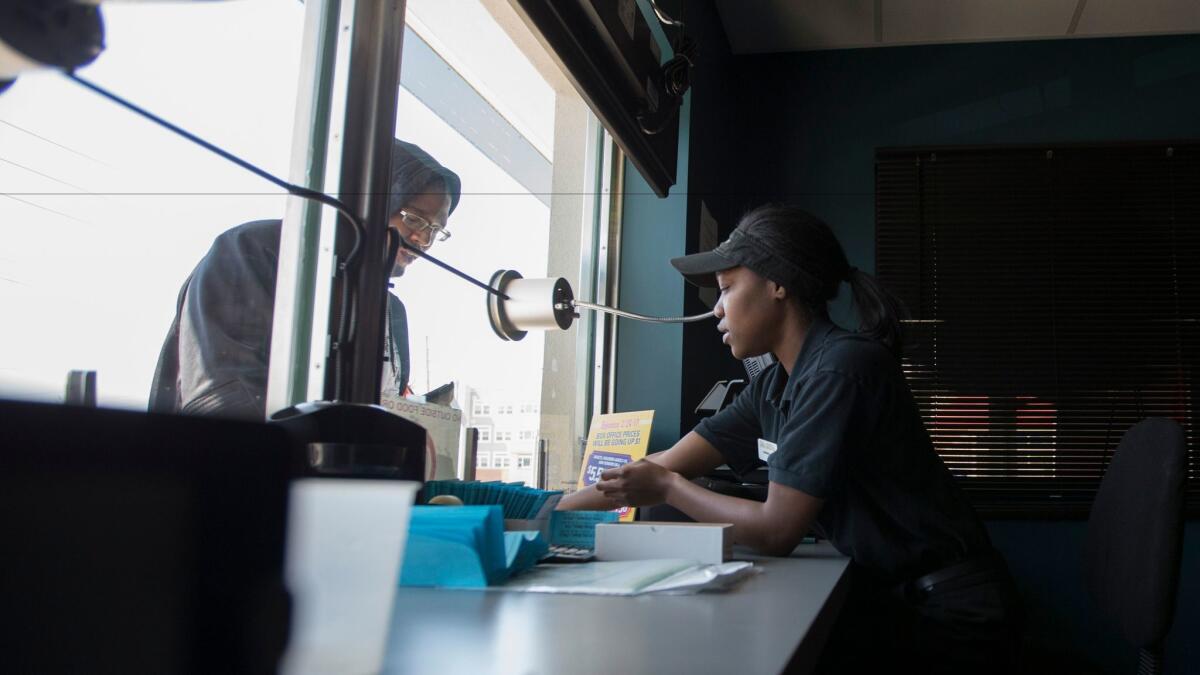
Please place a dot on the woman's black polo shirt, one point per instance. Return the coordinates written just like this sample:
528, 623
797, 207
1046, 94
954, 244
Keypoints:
847, 430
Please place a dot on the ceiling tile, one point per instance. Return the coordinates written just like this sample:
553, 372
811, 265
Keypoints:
1122, 17
934, 21
760, 26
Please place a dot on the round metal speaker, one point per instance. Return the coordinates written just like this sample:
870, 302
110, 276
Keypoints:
532, 304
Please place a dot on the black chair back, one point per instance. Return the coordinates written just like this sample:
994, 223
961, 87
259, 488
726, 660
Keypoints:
1135, 534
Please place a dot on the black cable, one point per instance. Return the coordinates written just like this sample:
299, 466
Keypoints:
664, 17
393, 247
345, 331
462, 275
677, 71
297, 190
676, 76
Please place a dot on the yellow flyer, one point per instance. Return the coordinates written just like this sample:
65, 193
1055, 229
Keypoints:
615, 439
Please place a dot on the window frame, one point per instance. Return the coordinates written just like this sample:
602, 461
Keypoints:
342, 125
344, 130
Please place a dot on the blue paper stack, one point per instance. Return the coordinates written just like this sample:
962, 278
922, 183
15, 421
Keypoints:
465, 547
517, 501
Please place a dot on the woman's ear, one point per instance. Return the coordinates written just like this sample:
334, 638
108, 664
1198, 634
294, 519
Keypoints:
779, 292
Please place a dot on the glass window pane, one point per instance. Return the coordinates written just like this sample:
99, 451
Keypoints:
466, 36
104, 215
471, 97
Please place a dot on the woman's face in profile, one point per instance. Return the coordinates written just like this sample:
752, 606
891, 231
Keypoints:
748, 312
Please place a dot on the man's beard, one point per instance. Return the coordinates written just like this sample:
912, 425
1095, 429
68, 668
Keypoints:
397, 270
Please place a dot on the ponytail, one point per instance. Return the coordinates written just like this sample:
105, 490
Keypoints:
814, 268
880, 312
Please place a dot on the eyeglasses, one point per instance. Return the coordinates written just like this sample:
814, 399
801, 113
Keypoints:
428, 232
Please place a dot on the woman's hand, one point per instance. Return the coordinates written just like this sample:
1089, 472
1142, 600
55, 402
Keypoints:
640, 483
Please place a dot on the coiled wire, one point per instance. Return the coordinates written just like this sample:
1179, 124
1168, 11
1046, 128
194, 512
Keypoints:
641, 317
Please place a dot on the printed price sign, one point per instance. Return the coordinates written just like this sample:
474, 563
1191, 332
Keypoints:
600, 461
615, 440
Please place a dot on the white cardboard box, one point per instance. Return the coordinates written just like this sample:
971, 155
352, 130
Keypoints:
707, 543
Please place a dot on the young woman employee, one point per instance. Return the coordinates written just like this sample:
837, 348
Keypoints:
848, 457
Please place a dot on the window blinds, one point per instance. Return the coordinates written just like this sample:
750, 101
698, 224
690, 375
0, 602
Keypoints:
1055, 294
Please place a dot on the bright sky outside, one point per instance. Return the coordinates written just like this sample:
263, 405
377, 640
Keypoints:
103, 215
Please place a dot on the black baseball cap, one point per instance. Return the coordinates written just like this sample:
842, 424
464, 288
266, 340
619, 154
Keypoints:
743, 248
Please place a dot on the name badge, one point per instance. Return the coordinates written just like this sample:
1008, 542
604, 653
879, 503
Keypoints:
765, 448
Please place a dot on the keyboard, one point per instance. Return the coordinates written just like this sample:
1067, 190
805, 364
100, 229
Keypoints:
567, 554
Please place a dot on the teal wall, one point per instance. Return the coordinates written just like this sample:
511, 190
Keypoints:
650, 355
821, 115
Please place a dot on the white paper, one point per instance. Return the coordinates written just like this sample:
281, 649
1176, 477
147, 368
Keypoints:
345, 544
628, 577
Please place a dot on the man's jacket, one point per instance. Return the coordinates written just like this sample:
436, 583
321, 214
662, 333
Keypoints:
214, 359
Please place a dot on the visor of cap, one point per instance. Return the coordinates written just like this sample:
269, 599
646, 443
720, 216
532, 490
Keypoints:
746, 250
700, 269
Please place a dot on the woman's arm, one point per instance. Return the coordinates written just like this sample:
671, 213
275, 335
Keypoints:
774, 527
692, 456
587, 499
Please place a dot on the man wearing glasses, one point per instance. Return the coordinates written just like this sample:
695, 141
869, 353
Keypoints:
214, 360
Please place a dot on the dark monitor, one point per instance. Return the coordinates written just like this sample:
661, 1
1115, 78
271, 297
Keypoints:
607, 49
141, 543
723, 478
756, 364
724, 391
